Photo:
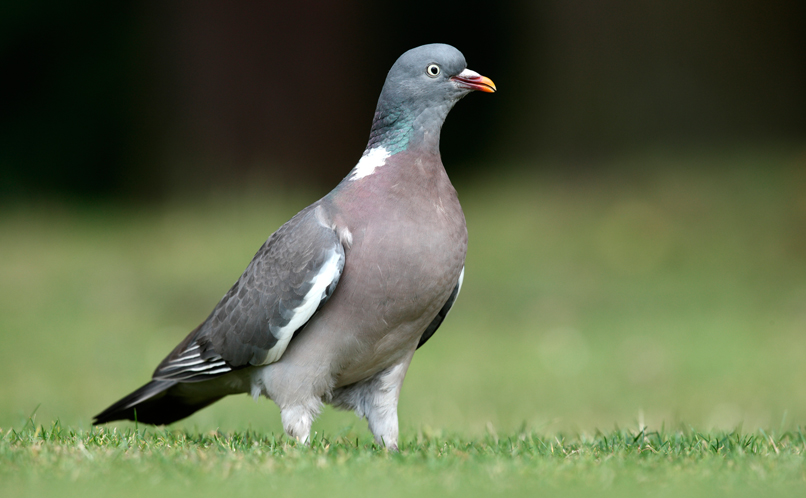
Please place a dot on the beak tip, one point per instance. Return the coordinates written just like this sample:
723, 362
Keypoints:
490, 86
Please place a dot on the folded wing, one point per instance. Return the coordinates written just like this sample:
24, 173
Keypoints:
292, 275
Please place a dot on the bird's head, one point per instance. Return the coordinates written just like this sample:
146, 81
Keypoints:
420, 90
432, 75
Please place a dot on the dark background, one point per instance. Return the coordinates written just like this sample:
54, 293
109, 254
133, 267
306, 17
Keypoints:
140, 99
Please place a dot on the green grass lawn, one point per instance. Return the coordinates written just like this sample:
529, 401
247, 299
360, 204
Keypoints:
662, 293
47, 461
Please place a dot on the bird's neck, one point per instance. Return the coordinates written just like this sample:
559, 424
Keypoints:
404, 128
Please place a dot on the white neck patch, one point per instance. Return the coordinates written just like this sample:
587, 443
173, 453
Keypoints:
375, 158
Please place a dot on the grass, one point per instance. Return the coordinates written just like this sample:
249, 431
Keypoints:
662, 292
164, 462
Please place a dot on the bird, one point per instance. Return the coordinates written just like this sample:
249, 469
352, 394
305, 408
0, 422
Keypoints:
335, 303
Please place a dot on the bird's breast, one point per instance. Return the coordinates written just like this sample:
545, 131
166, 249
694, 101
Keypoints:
406, 256
407, 249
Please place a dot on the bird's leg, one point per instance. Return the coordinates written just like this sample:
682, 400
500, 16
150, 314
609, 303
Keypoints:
382, 418
379, 404
297, 420
375, 399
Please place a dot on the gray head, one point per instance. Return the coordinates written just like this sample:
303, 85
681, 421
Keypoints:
420, 90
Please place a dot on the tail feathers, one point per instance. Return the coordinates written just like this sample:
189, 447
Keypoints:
155, 403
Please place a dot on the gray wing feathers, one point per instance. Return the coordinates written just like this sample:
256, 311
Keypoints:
446, 308
290, 277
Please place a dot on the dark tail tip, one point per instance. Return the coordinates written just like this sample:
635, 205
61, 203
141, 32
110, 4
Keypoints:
160, 402
145, 400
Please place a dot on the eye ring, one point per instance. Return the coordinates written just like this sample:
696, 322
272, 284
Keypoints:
432, 70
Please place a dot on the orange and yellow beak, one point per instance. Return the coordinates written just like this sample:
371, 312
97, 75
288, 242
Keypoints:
474, 81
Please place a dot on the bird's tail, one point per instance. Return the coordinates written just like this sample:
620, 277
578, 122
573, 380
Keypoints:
159, 402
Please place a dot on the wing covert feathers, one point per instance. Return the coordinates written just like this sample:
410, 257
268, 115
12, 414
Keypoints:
289, 279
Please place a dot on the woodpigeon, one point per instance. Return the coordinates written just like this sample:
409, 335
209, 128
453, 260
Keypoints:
335, 303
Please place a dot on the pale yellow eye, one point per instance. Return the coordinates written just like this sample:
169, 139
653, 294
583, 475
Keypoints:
432, 70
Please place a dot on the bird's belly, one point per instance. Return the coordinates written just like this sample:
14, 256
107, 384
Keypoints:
388, 294
394, 284
399, 271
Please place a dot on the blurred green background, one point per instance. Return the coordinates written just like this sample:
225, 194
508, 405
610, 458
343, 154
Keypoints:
635, 194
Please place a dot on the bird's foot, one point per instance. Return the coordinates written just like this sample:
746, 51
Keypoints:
390, 444
297, 421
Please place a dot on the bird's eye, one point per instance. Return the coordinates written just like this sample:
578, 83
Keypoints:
432, 70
